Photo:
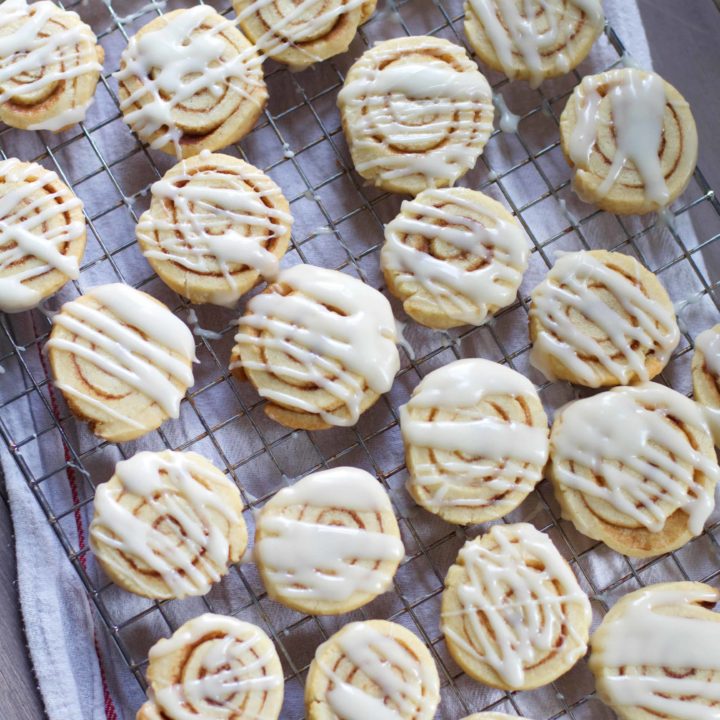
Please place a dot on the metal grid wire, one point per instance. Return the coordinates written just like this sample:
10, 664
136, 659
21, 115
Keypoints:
339, 223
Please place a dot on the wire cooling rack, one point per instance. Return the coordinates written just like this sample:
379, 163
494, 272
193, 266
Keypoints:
338, 223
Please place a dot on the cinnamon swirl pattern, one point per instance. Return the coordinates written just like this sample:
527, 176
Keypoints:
121, 359
372, 669
635, 468
214, 667
535, 39
300, 33
476, 441
319, 345
189, 81
631, 140
329, 544
167, 524
657, 654
513, 614
454, 257
706, 377
42, 234
416, 113
50, 63
216, 226
600, 318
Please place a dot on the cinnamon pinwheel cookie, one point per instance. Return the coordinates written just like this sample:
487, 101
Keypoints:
300, 34
328, 544
656, 654
600, 318
513, 614
319, 345
214, 667
372, 669
706, 377
121, 359
42, 234
476, 441
50, 63
630, 139
189, 80
454, 256
167, 524
216, 227
634, 467
416, 112
535, 39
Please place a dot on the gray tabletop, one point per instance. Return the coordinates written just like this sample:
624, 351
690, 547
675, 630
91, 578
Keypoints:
684, 39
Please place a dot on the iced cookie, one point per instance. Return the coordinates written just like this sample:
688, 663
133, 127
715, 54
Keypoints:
706, 377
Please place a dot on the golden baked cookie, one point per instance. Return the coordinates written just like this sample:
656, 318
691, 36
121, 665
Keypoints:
476, 441
656, 654
535, 39
328, 544
600, 318
454, 257
416, 112
189, 81
167, 524
214, 667
630, 139
300, 34
513, 614
706, 377
51, 64
121, 359
42, 234
319, 345
634, 467
216, 227
372, 669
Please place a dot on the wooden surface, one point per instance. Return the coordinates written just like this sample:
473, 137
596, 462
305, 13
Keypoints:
683, 37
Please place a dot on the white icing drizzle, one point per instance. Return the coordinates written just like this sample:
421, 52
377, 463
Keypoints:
111, 342
194, 555
176, 62
645, 637
412, 104
511, 31
488, 441
526, 607
464, 295
509, 121
71, 116
223, 667
310, 559
638, 100
24, 238
35, 51
331, 348
570, 285
629, 437
212, 226
708, 343
374, 654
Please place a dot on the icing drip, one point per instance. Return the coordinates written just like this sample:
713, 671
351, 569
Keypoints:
176, 490
307, 557
572, 285
708, 343
136, 342
428, 113
647, 655
330, 350
638, 101
443, 218
526, 606
509, 121
480, 444
512, 29
25, 211
646, 463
